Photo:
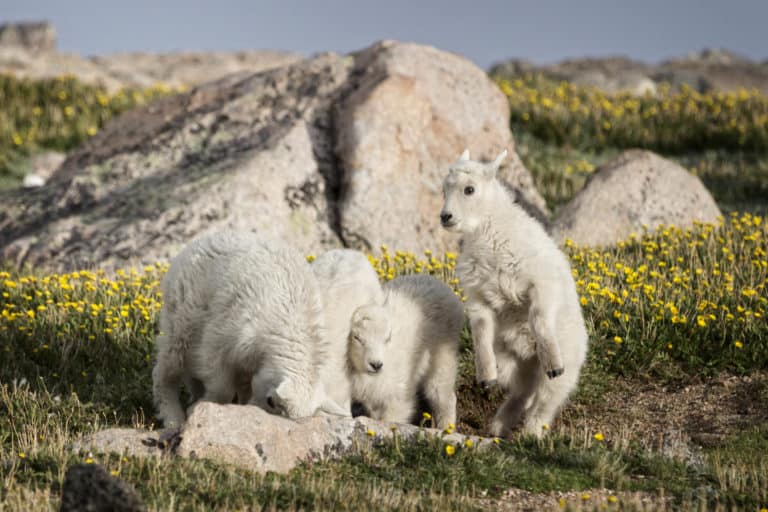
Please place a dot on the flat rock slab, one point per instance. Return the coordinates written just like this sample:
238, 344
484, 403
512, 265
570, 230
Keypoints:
250, 438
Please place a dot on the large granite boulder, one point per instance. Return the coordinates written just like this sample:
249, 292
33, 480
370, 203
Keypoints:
413, 111
328, 151
637, 190
246, 152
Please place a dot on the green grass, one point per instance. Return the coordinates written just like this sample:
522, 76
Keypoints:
418, 474
77, 357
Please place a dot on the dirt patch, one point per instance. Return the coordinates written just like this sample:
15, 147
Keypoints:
659, 417
662, 418
593, 499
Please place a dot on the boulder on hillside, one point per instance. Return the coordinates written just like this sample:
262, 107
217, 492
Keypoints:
328, 151
32, 36
246, 152
636, 190
248, 437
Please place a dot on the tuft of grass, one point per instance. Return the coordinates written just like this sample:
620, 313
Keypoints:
740, 468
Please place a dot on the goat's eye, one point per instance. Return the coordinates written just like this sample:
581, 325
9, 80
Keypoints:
468, 191
358, 339
271, 402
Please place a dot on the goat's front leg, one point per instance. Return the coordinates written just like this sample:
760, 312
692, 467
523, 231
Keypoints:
482, 319
545, 299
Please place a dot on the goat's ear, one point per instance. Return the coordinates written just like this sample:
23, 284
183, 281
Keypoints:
493, 167
282, 390
464, 156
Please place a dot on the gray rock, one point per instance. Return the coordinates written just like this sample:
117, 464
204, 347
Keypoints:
250, 438
89, 488
633, 82
413, 110
32, 36
328, 151
636, 190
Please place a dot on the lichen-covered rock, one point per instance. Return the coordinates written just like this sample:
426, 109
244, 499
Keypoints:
248, 152
636, 191
325, 152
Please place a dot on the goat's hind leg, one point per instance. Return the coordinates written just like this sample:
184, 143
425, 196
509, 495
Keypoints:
517, 377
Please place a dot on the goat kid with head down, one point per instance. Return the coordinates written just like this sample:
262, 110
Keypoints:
527, 326
242, 316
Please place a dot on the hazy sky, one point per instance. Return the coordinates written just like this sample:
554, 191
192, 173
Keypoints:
484, 31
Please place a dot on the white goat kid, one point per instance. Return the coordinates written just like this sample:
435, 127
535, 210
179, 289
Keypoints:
527, 326
417, 355
242, 315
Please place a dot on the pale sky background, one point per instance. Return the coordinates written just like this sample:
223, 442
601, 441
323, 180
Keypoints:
484, 31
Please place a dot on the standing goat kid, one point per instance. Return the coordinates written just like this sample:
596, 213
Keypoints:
527, 326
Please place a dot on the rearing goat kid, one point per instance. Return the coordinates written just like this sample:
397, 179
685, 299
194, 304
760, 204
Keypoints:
527, 327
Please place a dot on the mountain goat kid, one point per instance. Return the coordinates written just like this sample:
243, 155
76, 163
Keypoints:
242, 315
527, 326
417, 355
347, 281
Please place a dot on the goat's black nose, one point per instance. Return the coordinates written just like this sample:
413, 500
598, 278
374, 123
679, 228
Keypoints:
376, 365
445, 217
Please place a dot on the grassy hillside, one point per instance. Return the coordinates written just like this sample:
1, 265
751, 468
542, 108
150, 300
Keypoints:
77, 351
677, 319
55, 114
